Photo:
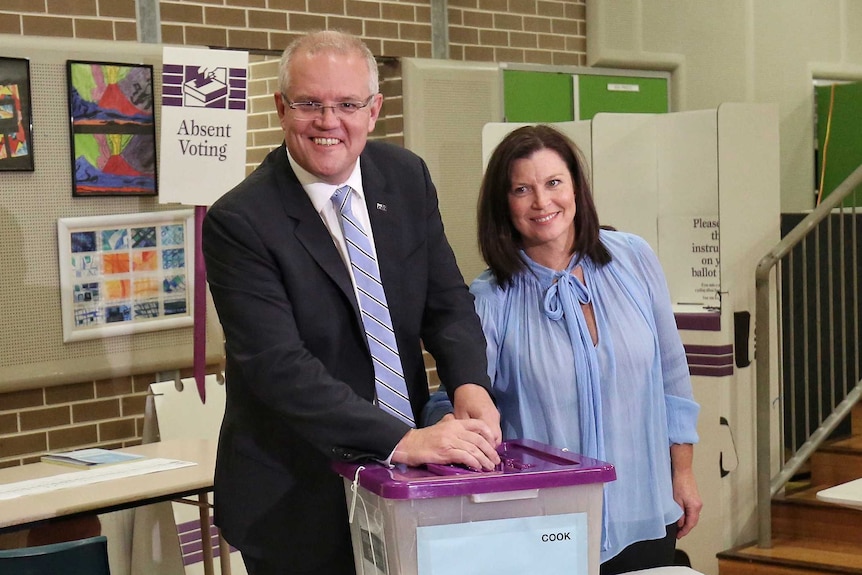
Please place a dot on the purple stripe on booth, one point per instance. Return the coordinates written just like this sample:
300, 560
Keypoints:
704, 321
708, 349
710, 371
694, 359
190, 541
195, 546
709, 360
196, 555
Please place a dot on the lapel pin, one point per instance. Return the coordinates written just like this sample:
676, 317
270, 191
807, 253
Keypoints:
381, 207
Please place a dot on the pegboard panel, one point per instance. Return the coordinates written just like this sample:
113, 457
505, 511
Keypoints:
32, 352
447, 132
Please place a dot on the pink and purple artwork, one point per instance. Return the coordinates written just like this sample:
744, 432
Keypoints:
113, 129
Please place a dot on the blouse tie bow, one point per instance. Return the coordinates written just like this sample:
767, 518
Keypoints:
563, 293
561, 302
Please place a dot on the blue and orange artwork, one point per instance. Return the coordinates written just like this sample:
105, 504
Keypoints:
113, 129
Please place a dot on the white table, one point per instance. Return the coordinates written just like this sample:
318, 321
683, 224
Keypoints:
122, 493
848, 494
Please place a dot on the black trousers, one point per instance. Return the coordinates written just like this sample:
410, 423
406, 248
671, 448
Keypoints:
644, 554
339, 566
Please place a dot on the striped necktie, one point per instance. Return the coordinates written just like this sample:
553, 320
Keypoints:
388, 373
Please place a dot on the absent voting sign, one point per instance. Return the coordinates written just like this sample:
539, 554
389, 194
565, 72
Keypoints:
550, 544
204, 124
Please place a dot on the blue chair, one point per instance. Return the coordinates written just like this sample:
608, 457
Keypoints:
80, 557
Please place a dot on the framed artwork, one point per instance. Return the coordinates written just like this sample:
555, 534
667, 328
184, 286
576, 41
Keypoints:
113, 129
126, 273
16, 122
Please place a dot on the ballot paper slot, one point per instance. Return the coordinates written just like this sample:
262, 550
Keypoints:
514, 457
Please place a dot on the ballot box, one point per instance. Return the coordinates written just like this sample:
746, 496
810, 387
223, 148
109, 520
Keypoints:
540, 511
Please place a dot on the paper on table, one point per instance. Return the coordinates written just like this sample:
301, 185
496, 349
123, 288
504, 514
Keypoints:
90, 457
88, 476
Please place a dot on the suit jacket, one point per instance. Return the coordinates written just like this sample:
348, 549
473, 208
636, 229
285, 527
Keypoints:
300, 381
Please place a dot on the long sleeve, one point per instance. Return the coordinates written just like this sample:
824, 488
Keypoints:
682, 410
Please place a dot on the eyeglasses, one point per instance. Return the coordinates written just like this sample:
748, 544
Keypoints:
312, 110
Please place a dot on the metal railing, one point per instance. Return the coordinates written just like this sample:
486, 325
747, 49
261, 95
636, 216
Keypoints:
817, 280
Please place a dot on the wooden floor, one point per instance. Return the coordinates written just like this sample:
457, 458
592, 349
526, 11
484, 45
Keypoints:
793, 556
800, 515
837, 462
809, 536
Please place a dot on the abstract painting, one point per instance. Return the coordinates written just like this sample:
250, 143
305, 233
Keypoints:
16, 126
113, 129
126, 273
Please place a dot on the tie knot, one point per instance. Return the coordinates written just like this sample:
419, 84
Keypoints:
341, 198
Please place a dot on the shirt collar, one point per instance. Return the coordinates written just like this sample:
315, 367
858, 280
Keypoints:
320, 192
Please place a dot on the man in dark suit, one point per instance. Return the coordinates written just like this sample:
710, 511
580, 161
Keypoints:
300, 377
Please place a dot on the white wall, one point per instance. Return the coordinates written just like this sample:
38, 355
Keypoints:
756, 51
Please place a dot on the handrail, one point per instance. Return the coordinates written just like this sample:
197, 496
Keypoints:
762, 342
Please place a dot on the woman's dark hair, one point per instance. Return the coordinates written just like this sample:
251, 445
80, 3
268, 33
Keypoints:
499, 241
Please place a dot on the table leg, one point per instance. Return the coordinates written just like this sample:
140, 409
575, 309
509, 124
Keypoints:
206, 540
224, 555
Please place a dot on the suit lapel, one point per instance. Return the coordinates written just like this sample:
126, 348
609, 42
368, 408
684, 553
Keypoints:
384, 213
310, 230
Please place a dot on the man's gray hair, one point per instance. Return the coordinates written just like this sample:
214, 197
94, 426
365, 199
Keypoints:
327, 41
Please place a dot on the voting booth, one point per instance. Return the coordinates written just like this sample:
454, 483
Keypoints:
540, 511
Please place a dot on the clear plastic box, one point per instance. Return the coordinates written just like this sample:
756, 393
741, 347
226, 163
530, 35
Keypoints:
390, 507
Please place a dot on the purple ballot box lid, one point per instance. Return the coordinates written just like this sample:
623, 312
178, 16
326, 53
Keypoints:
525, 464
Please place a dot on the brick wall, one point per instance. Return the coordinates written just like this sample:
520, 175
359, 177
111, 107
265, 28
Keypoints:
110, 413
105, 413
519, 31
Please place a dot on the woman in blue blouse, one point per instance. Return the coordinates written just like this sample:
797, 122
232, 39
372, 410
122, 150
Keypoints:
583, 349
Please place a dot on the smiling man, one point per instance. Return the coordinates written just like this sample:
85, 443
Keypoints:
329, 269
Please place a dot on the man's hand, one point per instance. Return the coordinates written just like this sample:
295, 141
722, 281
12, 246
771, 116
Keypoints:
473, 402
449, 441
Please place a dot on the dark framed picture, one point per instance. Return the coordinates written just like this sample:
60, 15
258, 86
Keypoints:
113, 129
16, 122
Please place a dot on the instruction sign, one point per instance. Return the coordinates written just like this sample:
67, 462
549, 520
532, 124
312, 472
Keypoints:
689, 254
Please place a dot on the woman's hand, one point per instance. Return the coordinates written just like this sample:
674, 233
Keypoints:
473, 402
685, 491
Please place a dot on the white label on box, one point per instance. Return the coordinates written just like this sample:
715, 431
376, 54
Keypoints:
550, 544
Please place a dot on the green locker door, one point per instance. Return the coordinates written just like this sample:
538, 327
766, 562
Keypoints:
562, 97
537, 96
839, 117
630, 94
